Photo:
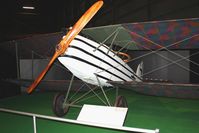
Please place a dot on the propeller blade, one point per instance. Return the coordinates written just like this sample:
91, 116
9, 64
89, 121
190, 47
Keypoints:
63, 45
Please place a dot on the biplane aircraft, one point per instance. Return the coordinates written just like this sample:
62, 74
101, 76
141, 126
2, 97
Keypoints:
89, 61
92, 59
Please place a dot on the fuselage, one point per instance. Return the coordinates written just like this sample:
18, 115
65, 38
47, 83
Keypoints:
95, 63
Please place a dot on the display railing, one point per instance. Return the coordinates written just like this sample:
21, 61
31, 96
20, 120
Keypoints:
35, 116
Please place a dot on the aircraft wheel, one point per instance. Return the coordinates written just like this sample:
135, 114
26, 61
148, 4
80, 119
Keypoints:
120, 102
58, 108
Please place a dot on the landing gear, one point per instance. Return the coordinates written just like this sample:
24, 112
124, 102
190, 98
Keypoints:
59, 107
120, 102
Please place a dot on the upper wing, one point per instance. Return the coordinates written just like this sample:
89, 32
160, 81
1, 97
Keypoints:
172, 34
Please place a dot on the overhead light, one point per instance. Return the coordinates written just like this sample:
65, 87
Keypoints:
29, 7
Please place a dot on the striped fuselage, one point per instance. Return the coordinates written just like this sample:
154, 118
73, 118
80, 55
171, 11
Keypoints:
95, 65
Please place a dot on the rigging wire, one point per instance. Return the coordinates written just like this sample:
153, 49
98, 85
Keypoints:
162, 48
170, 63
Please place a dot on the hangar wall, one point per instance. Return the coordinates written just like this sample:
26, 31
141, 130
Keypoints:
158, 65
31, 68
8, 70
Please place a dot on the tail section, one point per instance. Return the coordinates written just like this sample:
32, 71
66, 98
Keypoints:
139, 72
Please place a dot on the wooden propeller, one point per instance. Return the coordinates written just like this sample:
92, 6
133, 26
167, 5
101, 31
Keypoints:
63, 45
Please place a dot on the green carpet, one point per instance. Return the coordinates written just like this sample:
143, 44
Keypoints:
167, 114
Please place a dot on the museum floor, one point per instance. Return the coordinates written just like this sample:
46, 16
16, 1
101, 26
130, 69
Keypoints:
167, 114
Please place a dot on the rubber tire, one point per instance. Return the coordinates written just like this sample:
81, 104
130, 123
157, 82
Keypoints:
58, 105
121, 102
